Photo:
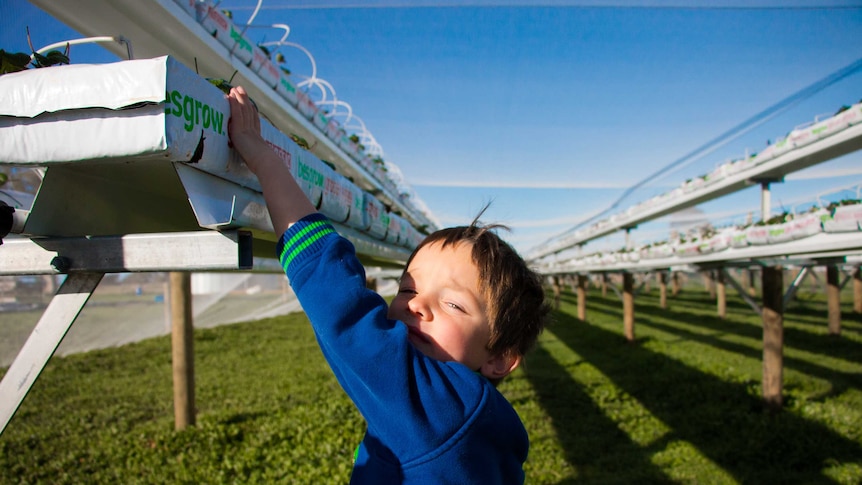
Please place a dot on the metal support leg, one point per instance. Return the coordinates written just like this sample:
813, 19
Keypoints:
744, 294
44, 340
794, 286
616, 290
640, 287
848, 277
765, 201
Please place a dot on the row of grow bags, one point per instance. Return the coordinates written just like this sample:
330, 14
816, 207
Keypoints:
152, 111
843, 218
338, 197
217, 24
799, 137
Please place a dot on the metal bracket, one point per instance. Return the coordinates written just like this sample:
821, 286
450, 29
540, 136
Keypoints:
794, 285
44, 340
739, 289
176, 251
7, 219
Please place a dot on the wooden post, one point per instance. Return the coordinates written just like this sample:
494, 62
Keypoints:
662, 286
555, 286
721, 294
773, 336
582, 297
183, 349
674, 283
857, 290
833, 299
628, 306
604, 285
166, 290
709, 283
371, 283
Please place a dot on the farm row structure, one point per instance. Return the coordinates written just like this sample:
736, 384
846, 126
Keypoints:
829, 237
843, 217
774, 299
799, 138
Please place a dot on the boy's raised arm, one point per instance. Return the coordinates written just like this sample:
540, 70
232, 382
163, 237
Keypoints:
285, 201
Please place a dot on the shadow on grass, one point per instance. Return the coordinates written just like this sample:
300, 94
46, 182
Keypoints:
723, 420
798, 338
804, 309
584, 431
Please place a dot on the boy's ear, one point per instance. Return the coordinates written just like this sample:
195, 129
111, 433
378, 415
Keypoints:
499, 366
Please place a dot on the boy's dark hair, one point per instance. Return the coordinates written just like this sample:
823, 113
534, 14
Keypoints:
517, 309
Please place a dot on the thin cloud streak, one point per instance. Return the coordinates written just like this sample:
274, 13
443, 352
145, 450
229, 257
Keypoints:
473, 184
612, 4
615, 185
822, 174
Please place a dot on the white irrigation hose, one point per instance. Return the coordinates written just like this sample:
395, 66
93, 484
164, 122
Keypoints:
310, 58
254, 14
89, 40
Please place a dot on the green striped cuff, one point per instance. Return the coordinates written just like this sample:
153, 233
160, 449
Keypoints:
306, 233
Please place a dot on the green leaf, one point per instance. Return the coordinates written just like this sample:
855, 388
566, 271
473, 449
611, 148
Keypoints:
299, 140
57, 57
221, 84
13, 61
40, 60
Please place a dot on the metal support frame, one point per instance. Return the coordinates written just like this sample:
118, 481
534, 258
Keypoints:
44, 340
85, 261
635, 292
788, 295
616, 290
742, 293
848, 277
176, 251
794, 286
640, 287
816, 277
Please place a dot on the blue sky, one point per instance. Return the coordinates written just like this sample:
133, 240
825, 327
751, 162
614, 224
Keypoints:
550, 110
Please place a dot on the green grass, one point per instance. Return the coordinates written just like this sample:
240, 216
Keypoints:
680, 405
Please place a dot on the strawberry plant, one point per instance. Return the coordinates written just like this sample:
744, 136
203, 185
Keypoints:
19, 61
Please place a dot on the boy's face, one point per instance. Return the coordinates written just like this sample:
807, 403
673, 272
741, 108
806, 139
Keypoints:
440, 301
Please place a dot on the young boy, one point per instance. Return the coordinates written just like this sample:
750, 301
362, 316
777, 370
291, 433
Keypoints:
423, 371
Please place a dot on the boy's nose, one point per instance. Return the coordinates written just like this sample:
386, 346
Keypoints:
418, 307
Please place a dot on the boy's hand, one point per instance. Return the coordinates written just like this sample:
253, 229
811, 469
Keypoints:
244, 129
285, 200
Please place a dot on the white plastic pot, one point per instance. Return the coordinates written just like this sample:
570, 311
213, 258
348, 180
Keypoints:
376, 217
845, 218
757, 235
286, 89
